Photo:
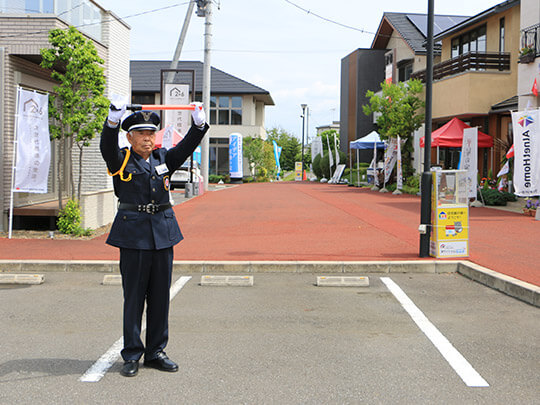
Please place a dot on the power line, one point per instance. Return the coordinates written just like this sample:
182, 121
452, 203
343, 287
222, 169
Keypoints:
328, 19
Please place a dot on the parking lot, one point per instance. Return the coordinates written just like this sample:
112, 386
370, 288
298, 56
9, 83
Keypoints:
283, 340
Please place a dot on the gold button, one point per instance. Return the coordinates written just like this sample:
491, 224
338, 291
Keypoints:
153, 177
154, 190
125, 217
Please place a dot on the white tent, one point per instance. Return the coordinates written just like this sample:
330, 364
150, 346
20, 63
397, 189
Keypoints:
370, 141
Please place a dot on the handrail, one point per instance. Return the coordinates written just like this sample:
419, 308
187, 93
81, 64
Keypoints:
476, 61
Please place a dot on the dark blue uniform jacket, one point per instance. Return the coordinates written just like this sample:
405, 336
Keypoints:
141, 230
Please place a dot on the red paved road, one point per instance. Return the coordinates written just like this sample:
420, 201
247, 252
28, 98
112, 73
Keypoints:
311, 221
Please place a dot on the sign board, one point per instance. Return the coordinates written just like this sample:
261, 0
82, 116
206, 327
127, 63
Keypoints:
469, 157
176, 94
297, 171
450, 214
236, 170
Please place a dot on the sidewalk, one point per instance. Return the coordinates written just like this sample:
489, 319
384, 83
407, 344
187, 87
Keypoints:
312, 222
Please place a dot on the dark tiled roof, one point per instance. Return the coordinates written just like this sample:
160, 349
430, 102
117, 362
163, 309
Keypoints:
413, 28
145, 77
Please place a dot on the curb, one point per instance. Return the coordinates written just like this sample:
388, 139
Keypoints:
513, 287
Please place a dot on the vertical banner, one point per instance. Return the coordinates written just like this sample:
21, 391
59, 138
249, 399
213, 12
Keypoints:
277, 154
167, 141
316, 147
330, 157
390, 157
33, 143
526, 153
176, 94
337, 150
469, 159
236, 170
399, 170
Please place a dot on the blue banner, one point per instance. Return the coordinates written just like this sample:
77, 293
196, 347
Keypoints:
277, 154
235, 156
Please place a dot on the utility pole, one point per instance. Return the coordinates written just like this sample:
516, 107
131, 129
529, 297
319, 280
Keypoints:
204, 9
180, 44
425, 209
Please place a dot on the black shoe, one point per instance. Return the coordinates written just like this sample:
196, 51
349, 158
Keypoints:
162, 362
130, 368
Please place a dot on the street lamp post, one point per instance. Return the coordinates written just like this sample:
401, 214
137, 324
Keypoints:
303, 129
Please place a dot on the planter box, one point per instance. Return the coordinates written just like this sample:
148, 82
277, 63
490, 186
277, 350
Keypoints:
529, 58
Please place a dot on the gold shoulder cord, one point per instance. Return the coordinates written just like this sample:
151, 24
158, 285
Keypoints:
121, 171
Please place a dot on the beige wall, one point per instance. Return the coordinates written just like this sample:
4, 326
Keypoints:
474, 92
511, 23
471, 93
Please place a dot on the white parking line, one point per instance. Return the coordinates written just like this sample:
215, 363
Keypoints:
104, 363
460, 365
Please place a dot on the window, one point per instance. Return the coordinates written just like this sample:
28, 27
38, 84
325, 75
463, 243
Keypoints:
39, 6
501, 35
472, 41
405, 72
226, 110
219, 156
143, 98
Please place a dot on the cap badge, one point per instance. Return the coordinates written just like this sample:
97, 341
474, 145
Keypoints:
146, 115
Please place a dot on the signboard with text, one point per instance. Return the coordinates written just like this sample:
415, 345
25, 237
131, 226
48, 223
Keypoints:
176, 94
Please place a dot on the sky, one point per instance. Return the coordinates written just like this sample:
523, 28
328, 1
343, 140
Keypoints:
274, 44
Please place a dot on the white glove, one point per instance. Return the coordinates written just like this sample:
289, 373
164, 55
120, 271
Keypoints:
117, 109
198, 114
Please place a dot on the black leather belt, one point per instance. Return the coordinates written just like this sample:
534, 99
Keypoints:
148, 208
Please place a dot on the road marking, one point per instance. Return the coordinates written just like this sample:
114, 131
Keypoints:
238, 281
104, 363
339, 281
460, 365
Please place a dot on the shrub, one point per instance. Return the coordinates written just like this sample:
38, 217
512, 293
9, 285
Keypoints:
215, 178
316, 166
69, 220
509, 196
491, 197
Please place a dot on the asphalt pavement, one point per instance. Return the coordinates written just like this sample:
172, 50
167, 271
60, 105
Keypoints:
284, 340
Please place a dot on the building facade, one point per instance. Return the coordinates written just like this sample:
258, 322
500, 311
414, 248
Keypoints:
236, 106
24, 28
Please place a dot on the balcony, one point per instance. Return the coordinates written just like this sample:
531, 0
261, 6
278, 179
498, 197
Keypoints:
470, 61
530, 44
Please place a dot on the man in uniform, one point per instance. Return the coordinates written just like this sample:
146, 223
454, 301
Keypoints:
145, 227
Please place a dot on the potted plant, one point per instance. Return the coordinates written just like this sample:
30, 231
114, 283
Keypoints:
531, 205
527, 54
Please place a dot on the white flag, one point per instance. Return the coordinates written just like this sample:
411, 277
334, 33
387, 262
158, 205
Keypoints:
33, 143
527, 152
330, 154
390, 157
469, 159
505, 169
167, 141
337, 150
399, 170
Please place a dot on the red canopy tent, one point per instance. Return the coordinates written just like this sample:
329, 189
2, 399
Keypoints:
176, 137
450, 135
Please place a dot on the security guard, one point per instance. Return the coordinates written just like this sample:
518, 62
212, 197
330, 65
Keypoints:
145, 227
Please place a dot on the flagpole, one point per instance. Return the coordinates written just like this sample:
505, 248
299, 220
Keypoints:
15, 147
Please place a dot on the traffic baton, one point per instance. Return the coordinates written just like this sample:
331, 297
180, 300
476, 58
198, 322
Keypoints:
138, 107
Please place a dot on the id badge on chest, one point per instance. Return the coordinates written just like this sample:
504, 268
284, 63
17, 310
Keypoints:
162, 169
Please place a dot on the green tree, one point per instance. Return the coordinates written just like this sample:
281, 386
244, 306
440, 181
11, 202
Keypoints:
260, 155
77, 106
400, 111
290, 146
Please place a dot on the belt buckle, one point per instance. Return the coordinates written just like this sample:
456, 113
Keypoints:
151, 208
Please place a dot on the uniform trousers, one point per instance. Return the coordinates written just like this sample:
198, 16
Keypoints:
146, 275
